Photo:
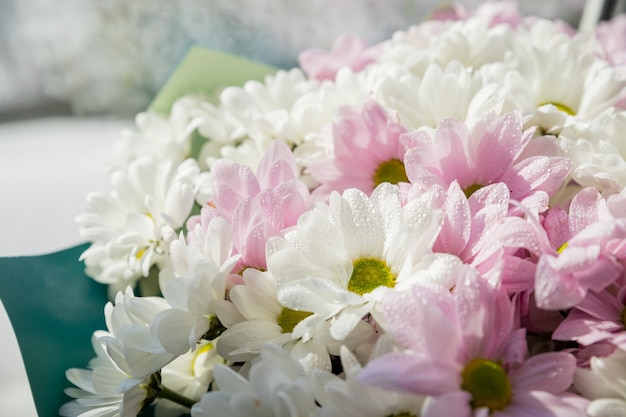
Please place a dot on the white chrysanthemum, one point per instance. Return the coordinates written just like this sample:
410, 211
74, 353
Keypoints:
131, 227
471, 42
350, 398
190, 376
342, 258
103, 390
549, 70
162, 137
598, 151
604, 384
127, 357
197, 279
276, 387
453, 91
129, 341
259, 318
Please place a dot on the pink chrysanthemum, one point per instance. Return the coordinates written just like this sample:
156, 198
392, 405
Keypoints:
367, 152
598, 317
480, 231
463, 351
578, 251
257, 206
486, 154
348, 51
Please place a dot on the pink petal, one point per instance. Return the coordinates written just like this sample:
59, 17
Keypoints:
551, 372
496, 142
277, 166
587, 207
406, 372
581, 327
455, 404
456, 228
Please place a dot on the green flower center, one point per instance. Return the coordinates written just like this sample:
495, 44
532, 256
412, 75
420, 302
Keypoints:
488, 383
472, 189
560, 107
391, 171
288, 318
369, 274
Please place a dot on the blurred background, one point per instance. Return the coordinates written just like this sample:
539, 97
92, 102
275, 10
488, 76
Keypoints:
73, 73
110, 57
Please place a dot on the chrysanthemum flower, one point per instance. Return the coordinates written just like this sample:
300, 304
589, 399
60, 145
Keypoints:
366, 151
341, 258
259, 318
258, 205
198, 279
103, 390
486, 154
275, 387
463, 350
578, 251
349, 397
131, 227
481, 232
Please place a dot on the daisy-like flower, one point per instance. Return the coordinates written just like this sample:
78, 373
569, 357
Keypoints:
578, 251
547, 67
463, 350
162, 137
481, 232
449, 90
131, 227
258, 205
188, 375
276, 387
484, 155
366, 151
103, 390
259, 318
603, 382
348, 51
121, 377
198, 279
341, 258
598, 152
349, 397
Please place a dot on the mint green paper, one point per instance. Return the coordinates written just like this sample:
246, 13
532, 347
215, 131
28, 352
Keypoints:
207, 71
54, 309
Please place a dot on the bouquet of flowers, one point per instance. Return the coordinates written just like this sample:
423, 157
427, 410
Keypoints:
430, 226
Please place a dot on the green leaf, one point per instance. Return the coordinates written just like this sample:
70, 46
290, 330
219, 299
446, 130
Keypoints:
54, 309
207, 71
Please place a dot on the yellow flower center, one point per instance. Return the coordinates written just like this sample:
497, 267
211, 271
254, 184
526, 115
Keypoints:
391, 171
560, 107
562, 247
288, 318
199, 357
488, 383
472, 189
369, 274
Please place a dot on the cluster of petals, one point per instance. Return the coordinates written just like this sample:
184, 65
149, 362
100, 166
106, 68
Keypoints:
434, 225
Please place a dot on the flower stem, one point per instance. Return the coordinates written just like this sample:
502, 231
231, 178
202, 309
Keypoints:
168, 394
